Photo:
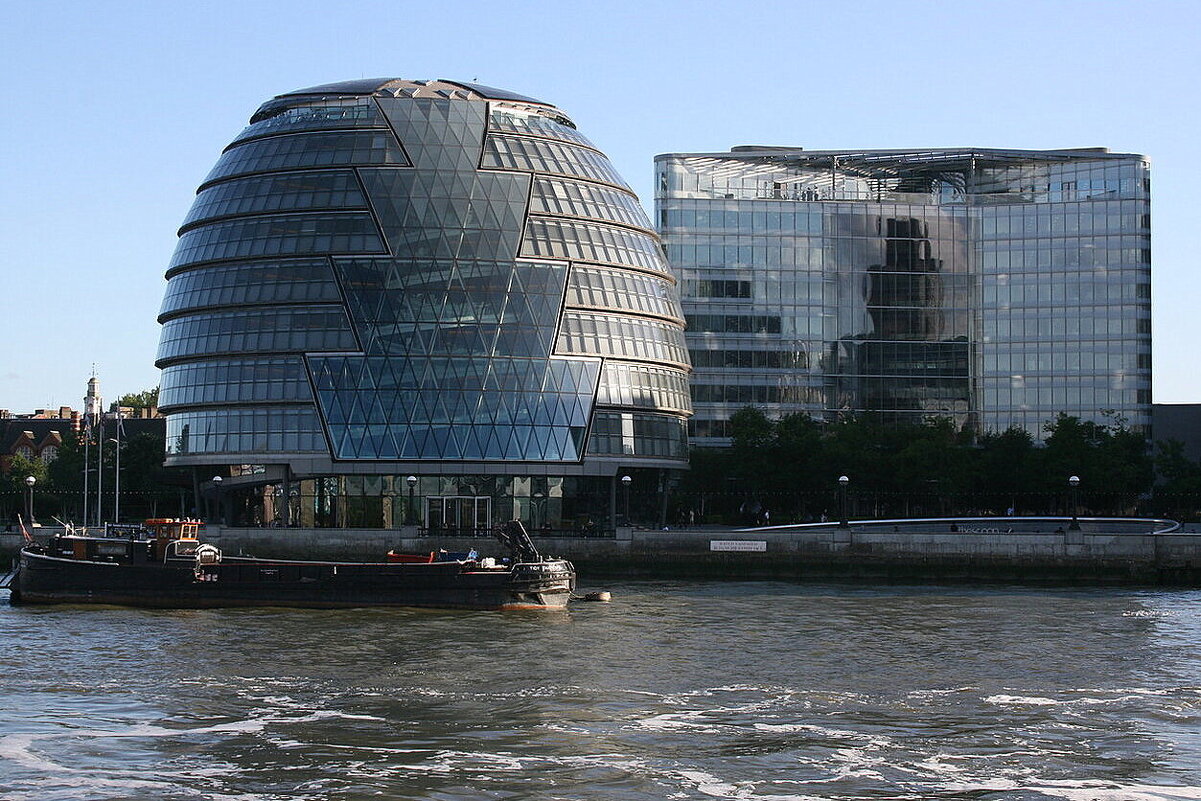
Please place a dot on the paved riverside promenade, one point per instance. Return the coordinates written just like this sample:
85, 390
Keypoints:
991, 549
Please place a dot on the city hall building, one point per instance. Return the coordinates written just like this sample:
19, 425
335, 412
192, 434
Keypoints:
421, 302
994, 287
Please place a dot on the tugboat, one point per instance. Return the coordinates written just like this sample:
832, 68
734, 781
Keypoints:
163, 564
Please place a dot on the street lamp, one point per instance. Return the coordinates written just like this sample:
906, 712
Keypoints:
625, 484
412, 513
843, 522
29, 482
117, 480
1074, 487
220, 512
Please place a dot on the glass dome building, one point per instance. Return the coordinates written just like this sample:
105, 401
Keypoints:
431, 302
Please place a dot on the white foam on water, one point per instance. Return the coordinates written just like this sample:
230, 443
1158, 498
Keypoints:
1094, 790
824, 731
673, 721
710, 785
1023, 700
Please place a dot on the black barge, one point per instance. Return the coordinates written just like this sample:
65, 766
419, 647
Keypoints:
163, 564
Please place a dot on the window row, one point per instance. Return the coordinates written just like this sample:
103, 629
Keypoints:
282, 330
540, 155
1062, 289
1102, 321
740, 218
234, 381
580, 241
620, 290
744, 394
1032, 258
351, 112
337, 149
767, 218
706, 358
282, 235
1108, 217
1059, 398
644, 387
734, 323
455, 442
747, 256
596, 201
303, 191
634, 434
279, 281
1065, 361
273, 430
699, 288
437, 374
604, 335
507, 121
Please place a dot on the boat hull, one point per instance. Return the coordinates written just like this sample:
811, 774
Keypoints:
46, 579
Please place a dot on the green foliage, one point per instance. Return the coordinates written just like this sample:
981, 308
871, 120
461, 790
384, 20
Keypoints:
145, 399
147, 488
791, 467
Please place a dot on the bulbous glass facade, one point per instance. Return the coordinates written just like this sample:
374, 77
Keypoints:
387, 276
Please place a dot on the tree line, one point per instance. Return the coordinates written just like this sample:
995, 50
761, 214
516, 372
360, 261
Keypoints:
787, 470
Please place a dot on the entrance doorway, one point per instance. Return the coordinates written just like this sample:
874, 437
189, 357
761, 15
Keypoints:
459, 515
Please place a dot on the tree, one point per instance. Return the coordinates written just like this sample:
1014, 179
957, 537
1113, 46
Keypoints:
13, 488
146, 399
1179, 491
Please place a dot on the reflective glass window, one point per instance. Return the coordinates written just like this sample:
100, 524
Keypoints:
281, 330
303, 191
643, 386
582, 241
637, 434
455, 408
350, 112
607, 335
274, 379
273, 281
509, 121
337, 149
454, 307
621, 290
279, 235
595, 201
243, 431
540, 155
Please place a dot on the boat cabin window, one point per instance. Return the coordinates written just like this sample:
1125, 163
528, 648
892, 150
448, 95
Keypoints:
112, 549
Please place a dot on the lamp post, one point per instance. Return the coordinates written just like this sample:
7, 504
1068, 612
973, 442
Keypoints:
117, 481
1074, 489
29, 482
412, 512
625, 485
843, 522
220, 512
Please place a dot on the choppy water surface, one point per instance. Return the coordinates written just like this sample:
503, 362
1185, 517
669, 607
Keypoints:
673, 691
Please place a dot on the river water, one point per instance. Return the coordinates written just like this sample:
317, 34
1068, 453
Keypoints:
673, 691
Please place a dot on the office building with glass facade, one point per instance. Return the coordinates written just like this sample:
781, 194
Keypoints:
995, 287
388, 278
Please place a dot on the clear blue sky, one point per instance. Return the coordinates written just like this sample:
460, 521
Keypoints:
116, 110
